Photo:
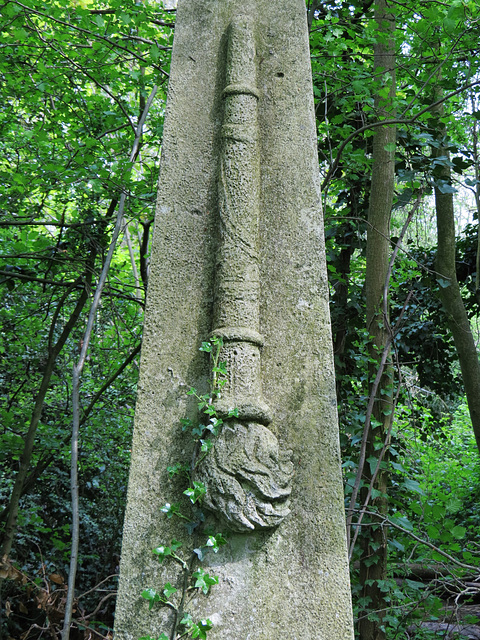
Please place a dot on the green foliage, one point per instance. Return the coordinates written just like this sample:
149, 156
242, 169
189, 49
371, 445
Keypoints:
74, 81
75, 77
427, 372
199, 629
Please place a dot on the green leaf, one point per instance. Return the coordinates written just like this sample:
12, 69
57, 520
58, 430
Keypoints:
433, 532
175, 545
395, 543
186, 422
198, 430
199, 551
413, 485
214, 425
170, 509
402, 521
206, 445
152, 596
444, 187
459, 532
175, 469
454, 504
154, 52
187, 620
162, 552
203, 580
169, 590
200, 629
215, 542
197, 492
221, 368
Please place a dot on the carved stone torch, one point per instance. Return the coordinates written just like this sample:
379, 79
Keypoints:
248, 477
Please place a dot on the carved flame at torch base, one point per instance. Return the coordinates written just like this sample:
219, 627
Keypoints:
247, 476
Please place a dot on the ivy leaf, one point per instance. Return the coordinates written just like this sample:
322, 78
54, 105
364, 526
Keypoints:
215, 542
221, 368
169, 590
204, 581
175, 545
152, 596
200, 629
162, 552
200, 553
187, 620
191, 526
186, 422
206, 445
170, 509
198, 430
214, 426
175, 469
197, 492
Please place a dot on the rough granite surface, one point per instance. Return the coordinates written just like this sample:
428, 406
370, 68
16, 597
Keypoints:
290, 581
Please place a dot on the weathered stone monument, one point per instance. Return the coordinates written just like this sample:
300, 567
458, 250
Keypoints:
238, 254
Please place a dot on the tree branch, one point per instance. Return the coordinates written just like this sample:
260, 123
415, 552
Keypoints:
384, 123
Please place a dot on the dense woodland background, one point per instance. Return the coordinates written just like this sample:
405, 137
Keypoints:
82, 97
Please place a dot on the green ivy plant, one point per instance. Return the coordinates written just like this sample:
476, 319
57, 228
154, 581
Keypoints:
194, 578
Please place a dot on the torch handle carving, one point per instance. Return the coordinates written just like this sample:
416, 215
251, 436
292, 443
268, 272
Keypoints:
247, 475
237, 284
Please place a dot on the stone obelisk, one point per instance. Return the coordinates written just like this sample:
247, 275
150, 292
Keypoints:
238, 253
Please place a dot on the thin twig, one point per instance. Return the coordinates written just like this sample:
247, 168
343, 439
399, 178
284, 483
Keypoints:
77, 370
384, 123
386, 520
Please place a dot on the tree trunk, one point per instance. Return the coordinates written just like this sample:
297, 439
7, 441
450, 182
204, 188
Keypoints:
373, 562
449, 289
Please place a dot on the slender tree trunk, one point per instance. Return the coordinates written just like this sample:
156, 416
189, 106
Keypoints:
373, 562
77, 372
340, 301
476, 164
449, 289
